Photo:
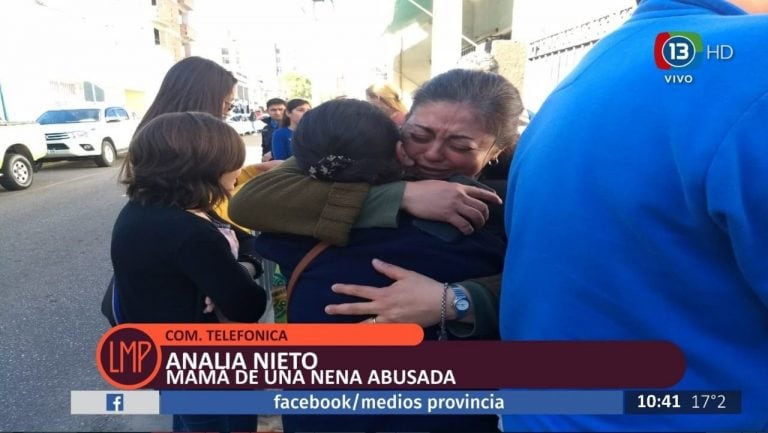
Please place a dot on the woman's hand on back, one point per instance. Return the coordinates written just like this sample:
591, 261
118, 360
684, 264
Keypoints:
250, 171
412, 298
261, 167
462, 206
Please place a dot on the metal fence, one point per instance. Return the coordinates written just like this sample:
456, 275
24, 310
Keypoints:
553, 57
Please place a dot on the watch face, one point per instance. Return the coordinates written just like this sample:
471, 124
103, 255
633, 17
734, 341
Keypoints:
462, 305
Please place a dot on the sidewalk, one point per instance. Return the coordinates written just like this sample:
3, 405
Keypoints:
252, 148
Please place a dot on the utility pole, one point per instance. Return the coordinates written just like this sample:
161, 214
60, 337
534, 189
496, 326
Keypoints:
278, 68
2, 103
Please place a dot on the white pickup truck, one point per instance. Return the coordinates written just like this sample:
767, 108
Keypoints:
99, 133
21, 145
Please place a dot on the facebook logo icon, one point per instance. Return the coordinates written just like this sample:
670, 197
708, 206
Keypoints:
115, 402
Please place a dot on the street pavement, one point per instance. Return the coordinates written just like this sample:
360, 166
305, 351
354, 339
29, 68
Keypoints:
54, 267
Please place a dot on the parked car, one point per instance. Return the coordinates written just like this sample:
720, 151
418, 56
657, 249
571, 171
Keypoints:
99, 133
21, 145
242, 125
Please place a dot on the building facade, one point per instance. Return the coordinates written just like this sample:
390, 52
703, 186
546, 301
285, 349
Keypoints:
533, 43
92, 51
171, 28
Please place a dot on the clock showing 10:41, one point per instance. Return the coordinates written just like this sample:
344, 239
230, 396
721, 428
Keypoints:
682, 402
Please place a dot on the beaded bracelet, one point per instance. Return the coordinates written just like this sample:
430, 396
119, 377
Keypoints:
443, 331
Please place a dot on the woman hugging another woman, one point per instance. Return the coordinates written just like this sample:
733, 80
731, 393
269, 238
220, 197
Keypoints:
353, 141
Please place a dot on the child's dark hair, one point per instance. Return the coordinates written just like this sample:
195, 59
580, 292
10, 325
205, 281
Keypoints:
347, 140
177, 159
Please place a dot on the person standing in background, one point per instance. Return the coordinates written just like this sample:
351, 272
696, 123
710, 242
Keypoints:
194, 84
281, 139
387, 99
275, 109
255, 118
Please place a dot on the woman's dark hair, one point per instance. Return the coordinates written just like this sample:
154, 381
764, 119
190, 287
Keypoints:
494, 100
177, 159
290, 106
192, 84
347, 140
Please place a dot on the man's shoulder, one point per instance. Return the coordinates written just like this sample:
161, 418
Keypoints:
748, 30
279, 132
738, 44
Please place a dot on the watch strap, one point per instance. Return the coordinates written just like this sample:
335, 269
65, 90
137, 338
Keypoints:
460, 294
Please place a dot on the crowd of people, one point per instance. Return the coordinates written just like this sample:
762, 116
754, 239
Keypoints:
620, 213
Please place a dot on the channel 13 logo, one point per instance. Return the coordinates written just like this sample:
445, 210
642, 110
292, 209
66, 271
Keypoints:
677, 50
684, 50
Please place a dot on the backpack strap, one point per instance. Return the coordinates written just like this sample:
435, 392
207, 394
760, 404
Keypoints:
107, 303
116, 303
305, 261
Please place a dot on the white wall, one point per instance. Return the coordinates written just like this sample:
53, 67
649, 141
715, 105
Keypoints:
537, 19
534, 19
106, 42
483, 18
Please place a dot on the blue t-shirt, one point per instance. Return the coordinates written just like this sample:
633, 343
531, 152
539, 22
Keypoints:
637, 209
281, 143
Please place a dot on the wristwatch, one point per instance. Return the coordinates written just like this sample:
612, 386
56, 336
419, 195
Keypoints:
461, 303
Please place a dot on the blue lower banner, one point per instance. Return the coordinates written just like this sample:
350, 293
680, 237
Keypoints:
309, 402
396, 402
391, 402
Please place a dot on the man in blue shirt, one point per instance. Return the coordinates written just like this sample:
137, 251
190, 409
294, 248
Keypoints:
637, 207
276, 110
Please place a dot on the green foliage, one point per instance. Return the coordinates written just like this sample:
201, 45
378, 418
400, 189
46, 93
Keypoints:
297, 86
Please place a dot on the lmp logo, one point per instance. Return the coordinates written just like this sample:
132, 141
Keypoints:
115, 402
127, 357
